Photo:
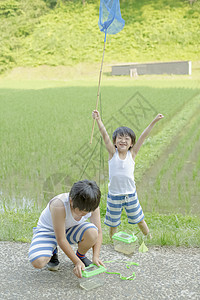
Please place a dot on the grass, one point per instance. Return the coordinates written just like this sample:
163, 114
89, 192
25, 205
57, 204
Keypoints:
46, 146
173, 229
17, 224
181, 175
40, 124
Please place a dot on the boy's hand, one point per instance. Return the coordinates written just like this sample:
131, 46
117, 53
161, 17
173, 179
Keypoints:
95, 115
97, 262
79, 266
158, 117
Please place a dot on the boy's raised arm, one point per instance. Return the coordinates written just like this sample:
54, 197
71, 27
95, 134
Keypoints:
145, 133
109, 145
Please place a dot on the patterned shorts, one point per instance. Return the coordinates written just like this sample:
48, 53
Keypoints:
44, 242
115, 206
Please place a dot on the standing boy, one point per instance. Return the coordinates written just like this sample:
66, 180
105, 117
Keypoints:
122, 189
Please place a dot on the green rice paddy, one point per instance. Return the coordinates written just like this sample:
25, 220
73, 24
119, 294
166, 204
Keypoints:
44, 143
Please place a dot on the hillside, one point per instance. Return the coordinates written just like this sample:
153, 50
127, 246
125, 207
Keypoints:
63, 32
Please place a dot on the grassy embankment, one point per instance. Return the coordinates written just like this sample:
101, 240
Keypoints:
32, 34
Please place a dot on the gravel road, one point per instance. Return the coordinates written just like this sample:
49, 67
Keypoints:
163, 273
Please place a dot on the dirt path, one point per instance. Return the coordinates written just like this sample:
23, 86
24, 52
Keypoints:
163, 273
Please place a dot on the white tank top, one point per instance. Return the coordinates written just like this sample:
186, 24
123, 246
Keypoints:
45, 220
121, 175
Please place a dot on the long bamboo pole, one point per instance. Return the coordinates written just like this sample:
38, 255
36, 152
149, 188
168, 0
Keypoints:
98, 88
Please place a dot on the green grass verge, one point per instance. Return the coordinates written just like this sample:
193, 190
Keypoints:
167, 230
17, 225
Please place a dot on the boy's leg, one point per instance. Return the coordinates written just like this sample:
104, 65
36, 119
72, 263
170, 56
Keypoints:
41, 249
40, 262
85, 234
113, 213
143, 227
112, 231
88, 241
135, 213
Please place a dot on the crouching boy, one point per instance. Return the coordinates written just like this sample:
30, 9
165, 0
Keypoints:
63, 222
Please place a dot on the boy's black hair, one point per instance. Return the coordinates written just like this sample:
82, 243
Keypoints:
85, 195
123, 131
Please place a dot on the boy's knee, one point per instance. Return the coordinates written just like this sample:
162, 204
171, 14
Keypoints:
40, 262
141, 222
91, 235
